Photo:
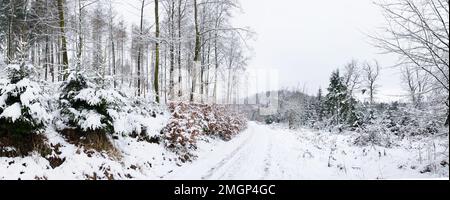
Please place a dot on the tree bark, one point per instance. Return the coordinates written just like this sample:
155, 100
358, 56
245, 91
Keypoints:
172, 51
196, 52
180, 77
65, 58
140, 50
113, 50
156, 78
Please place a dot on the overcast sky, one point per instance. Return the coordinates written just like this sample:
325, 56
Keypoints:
305, 40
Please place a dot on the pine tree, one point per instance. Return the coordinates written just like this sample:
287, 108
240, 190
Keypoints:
21, 109
339, 105
319, 105
84, 106
12, 25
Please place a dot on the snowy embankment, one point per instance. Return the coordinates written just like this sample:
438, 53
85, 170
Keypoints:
268, 152
80, 129
135, 160
260, 152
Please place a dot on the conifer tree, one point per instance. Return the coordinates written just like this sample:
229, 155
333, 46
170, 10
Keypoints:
339, 105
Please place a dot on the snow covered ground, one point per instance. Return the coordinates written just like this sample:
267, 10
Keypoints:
260, 152
264, 152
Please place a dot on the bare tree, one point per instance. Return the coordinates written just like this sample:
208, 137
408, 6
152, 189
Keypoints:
352, 76
371, 72
418, 31
418, 84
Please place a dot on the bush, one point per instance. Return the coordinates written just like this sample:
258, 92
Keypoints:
88, 108
189, 121
134, 118
23, 113
22, 107
381, 125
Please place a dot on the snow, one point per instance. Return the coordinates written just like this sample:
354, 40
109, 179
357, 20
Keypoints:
2, 99
15, 67
38, 112
260, 152
12, 112
263, 152
93, 120
138, 160
95, 97
30, 95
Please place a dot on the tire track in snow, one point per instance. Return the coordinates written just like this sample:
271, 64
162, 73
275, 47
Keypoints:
211, 172
268, 161
248, 157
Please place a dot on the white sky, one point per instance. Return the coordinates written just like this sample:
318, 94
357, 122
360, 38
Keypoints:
305, 40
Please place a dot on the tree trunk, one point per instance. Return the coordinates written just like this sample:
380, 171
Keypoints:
80, 38
216, 61
46, 60
122, 62
447, 120
156, 78
140, 50
172, 51
207, 71
63, 39
180, 79
196, 52
113, 50
202, 73
52, 61
11, 51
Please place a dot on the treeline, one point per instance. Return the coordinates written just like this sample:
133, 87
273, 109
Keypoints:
415, 31
350, 103
179, 50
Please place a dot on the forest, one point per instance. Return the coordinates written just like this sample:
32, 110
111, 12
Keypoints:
180, 49
88, 93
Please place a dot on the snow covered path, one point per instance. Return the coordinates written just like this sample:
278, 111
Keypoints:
265, 152
249, 156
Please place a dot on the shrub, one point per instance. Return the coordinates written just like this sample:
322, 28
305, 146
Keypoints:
22, 107
23, 112
87, 108
189, 121
382, 125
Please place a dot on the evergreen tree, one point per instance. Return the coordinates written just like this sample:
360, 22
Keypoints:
22, 110
12, 25
319, 105
338, 104
84, 106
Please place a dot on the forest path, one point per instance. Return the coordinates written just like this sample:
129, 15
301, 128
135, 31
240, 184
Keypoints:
260, 152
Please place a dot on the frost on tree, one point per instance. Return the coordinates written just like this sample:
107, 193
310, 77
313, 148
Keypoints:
338, 103
22, 109
83, 108
88, 108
